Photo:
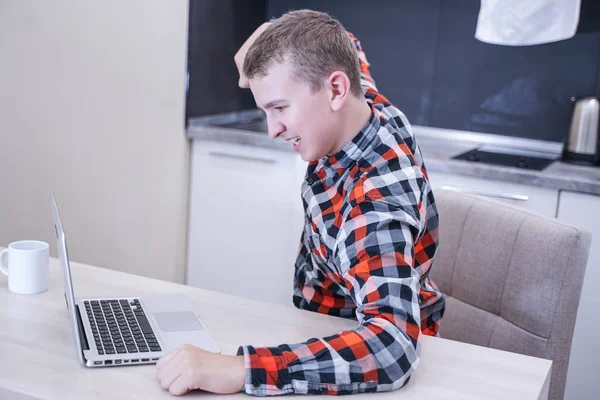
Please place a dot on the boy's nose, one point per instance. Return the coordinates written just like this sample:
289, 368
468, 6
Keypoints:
275, 129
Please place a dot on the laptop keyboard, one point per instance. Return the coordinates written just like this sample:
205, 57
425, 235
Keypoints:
120, 326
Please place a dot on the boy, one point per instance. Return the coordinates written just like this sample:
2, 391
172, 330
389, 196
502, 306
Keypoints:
371, 223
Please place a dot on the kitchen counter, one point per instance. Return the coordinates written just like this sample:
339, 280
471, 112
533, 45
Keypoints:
438, 147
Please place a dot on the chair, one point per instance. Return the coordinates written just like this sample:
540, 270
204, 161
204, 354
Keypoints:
512, 279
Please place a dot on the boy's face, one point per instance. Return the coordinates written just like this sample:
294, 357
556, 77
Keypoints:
294, 113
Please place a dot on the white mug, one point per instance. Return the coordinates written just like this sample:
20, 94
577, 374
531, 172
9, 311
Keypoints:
27, 267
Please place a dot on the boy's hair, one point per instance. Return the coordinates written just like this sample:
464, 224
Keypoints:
315, 44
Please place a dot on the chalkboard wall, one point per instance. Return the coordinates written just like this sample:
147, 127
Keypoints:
425, 59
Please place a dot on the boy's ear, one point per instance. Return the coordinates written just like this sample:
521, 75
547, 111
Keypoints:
338, 89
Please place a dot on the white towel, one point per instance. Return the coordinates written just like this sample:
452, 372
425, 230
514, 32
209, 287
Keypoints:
527, 22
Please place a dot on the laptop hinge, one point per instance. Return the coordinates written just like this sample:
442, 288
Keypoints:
82, 335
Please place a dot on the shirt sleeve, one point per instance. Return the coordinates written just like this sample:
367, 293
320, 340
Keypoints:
303, 261
375, 254
366, 80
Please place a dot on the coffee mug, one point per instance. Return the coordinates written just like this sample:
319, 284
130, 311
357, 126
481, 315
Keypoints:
27, 266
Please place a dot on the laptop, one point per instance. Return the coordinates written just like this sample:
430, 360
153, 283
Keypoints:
129, 330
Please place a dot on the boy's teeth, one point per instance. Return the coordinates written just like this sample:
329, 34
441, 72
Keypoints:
296, 140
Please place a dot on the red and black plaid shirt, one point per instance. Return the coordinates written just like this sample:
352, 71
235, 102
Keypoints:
370, 235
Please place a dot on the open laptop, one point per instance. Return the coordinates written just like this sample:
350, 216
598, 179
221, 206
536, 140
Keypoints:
128, 330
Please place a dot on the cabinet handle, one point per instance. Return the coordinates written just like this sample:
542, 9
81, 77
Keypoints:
241, 157
519, 197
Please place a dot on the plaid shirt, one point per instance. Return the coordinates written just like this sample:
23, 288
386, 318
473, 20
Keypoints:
370, 235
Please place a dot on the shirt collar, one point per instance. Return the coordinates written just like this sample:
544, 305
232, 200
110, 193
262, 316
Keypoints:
354, 150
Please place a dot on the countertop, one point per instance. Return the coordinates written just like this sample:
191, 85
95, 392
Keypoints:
437, 145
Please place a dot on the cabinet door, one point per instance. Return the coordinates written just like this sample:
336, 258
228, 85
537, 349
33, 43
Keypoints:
583, 211
540, 200
242, 235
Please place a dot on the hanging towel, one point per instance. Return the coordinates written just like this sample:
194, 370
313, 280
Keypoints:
527, 22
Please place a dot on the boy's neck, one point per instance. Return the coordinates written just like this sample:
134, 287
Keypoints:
352, 119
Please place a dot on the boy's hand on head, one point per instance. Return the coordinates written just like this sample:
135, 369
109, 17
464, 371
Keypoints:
188, 368
241, 54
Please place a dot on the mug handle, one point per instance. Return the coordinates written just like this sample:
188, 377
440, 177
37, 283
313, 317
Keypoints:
3, 267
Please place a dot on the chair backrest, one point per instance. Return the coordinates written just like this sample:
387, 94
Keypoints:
512, 279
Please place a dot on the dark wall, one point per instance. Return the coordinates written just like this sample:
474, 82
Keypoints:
425, 59
217, 29
399, 40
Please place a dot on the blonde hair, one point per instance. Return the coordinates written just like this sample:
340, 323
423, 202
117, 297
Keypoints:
316, 45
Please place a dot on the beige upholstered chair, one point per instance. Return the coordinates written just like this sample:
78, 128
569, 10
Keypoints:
512, 279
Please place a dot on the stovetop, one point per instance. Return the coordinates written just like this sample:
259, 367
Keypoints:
516, 158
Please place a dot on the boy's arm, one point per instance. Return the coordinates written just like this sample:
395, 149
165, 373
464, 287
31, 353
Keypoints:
375, 251
366, 80
241, 54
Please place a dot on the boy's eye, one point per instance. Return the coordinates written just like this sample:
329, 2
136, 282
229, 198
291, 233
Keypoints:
280, 108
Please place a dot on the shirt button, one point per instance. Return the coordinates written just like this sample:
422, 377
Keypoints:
256, 382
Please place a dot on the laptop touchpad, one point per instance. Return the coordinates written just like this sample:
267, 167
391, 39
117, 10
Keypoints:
177, 321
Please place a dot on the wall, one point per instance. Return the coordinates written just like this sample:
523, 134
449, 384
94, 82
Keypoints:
217, 30
425, 59
92, 108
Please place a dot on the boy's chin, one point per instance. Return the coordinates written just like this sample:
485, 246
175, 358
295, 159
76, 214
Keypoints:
309, 158
312, 156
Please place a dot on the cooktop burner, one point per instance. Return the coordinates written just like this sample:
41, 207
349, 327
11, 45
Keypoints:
517, 158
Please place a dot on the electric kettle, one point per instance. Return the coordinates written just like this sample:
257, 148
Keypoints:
582, 144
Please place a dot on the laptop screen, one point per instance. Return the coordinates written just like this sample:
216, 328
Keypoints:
63, 258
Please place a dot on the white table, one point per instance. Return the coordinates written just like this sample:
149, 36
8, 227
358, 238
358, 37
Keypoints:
38, 359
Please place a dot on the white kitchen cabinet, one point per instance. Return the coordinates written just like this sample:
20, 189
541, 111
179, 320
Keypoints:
583, 211
540, 200
244, 227
246, 216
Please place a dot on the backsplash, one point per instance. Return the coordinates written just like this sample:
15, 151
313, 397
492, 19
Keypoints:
425, 59
217, 29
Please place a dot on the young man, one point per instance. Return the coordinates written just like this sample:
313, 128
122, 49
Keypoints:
371, 226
